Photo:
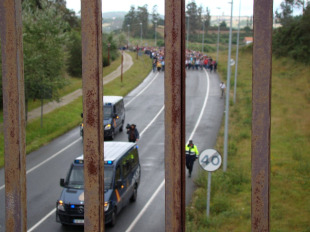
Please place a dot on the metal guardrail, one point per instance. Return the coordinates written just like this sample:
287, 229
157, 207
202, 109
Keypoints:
14, 115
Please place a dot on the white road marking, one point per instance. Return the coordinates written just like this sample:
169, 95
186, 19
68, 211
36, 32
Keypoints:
48, 159
130, 228
145, 207
142, 90
160, 186
43, 219
56, 154
153, 120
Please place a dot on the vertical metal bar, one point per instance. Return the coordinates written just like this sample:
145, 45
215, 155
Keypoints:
261, 114
13, 115
92, 109
175, 115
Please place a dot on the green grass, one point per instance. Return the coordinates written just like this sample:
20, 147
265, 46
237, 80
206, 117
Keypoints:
290, 170
66, 118
75, 83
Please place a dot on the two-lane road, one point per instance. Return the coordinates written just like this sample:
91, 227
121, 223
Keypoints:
145, 108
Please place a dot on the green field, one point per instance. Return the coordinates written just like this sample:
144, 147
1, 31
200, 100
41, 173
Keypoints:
290, 170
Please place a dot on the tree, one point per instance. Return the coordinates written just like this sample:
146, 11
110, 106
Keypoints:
109, 49
297, 4
44, 38
193, 18
155, 17
206, 20
284, 16
292, 39
74, 61
143, 17
223, 25
131, 20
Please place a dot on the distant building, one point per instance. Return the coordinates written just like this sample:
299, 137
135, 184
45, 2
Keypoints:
248, 40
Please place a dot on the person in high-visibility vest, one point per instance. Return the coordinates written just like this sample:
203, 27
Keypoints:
192, 154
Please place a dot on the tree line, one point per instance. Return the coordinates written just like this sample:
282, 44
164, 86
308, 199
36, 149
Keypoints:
292, 39
52, 48
52, 40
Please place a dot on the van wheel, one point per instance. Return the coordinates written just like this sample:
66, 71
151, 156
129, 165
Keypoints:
112, 135
113, 218
122, 127
134, 194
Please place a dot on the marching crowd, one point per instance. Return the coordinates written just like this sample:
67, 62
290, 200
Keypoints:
194, 60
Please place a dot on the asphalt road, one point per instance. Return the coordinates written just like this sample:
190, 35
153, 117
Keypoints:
145, 108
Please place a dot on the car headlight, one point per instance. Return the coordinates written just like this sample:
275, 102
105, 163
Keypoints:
107, 127
60, 205
106, 206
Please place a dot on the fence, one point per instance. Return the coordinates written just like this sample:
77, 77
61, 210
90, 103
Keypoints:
14, 114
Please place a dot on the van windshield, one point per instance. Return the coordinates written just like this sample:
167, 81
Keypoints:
107, 111
76, 177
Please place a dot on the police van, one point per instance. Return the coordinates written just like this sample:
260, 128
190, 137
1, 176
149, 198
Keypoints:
113, 115
121, 180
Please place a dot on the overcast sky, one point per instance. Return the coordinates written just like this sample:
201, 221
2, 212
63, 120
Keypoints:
224, 5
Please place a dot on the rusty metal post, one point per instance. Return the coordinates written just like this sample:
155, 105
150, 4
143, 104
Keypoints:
13, 115
261, 114
175, 115
122, 61
93, 115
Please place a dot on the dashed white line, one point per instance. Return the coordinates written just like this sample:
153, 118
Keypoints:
130, 228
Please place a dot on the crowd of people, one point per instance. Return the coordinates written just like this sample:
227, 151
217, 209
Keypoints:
194, 60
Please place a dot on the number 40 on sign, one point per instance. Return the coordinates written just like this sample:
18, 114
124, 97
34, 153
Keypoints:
210, 160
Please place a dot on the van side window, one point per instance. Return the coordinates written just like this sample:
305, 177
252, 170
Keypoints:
134, 158
117, 173
117, 108
126, 164
121, 107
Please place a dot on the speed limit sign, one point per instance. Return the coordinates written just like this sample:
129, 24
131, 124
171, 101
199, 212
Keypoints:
210, 160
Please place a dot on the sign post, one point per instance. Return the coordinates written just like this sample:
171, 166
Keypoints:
210, 160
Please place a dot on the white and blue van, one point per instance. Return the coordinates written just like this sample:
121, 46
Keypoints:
121, 180
113, 116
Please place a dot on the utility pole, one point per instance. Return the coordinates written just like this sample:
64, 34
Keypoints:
187, 31
140, 34
227, 93
218, 38
128, 35
203, 35
155, 33
237, 55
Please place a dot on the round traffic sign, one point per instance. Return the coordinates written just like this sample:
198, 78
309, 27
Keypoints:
210, 160
232, 62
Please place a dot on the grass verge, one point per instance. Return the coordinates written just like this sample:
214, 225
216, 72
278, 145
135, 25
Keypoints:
66, 118
230, 208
